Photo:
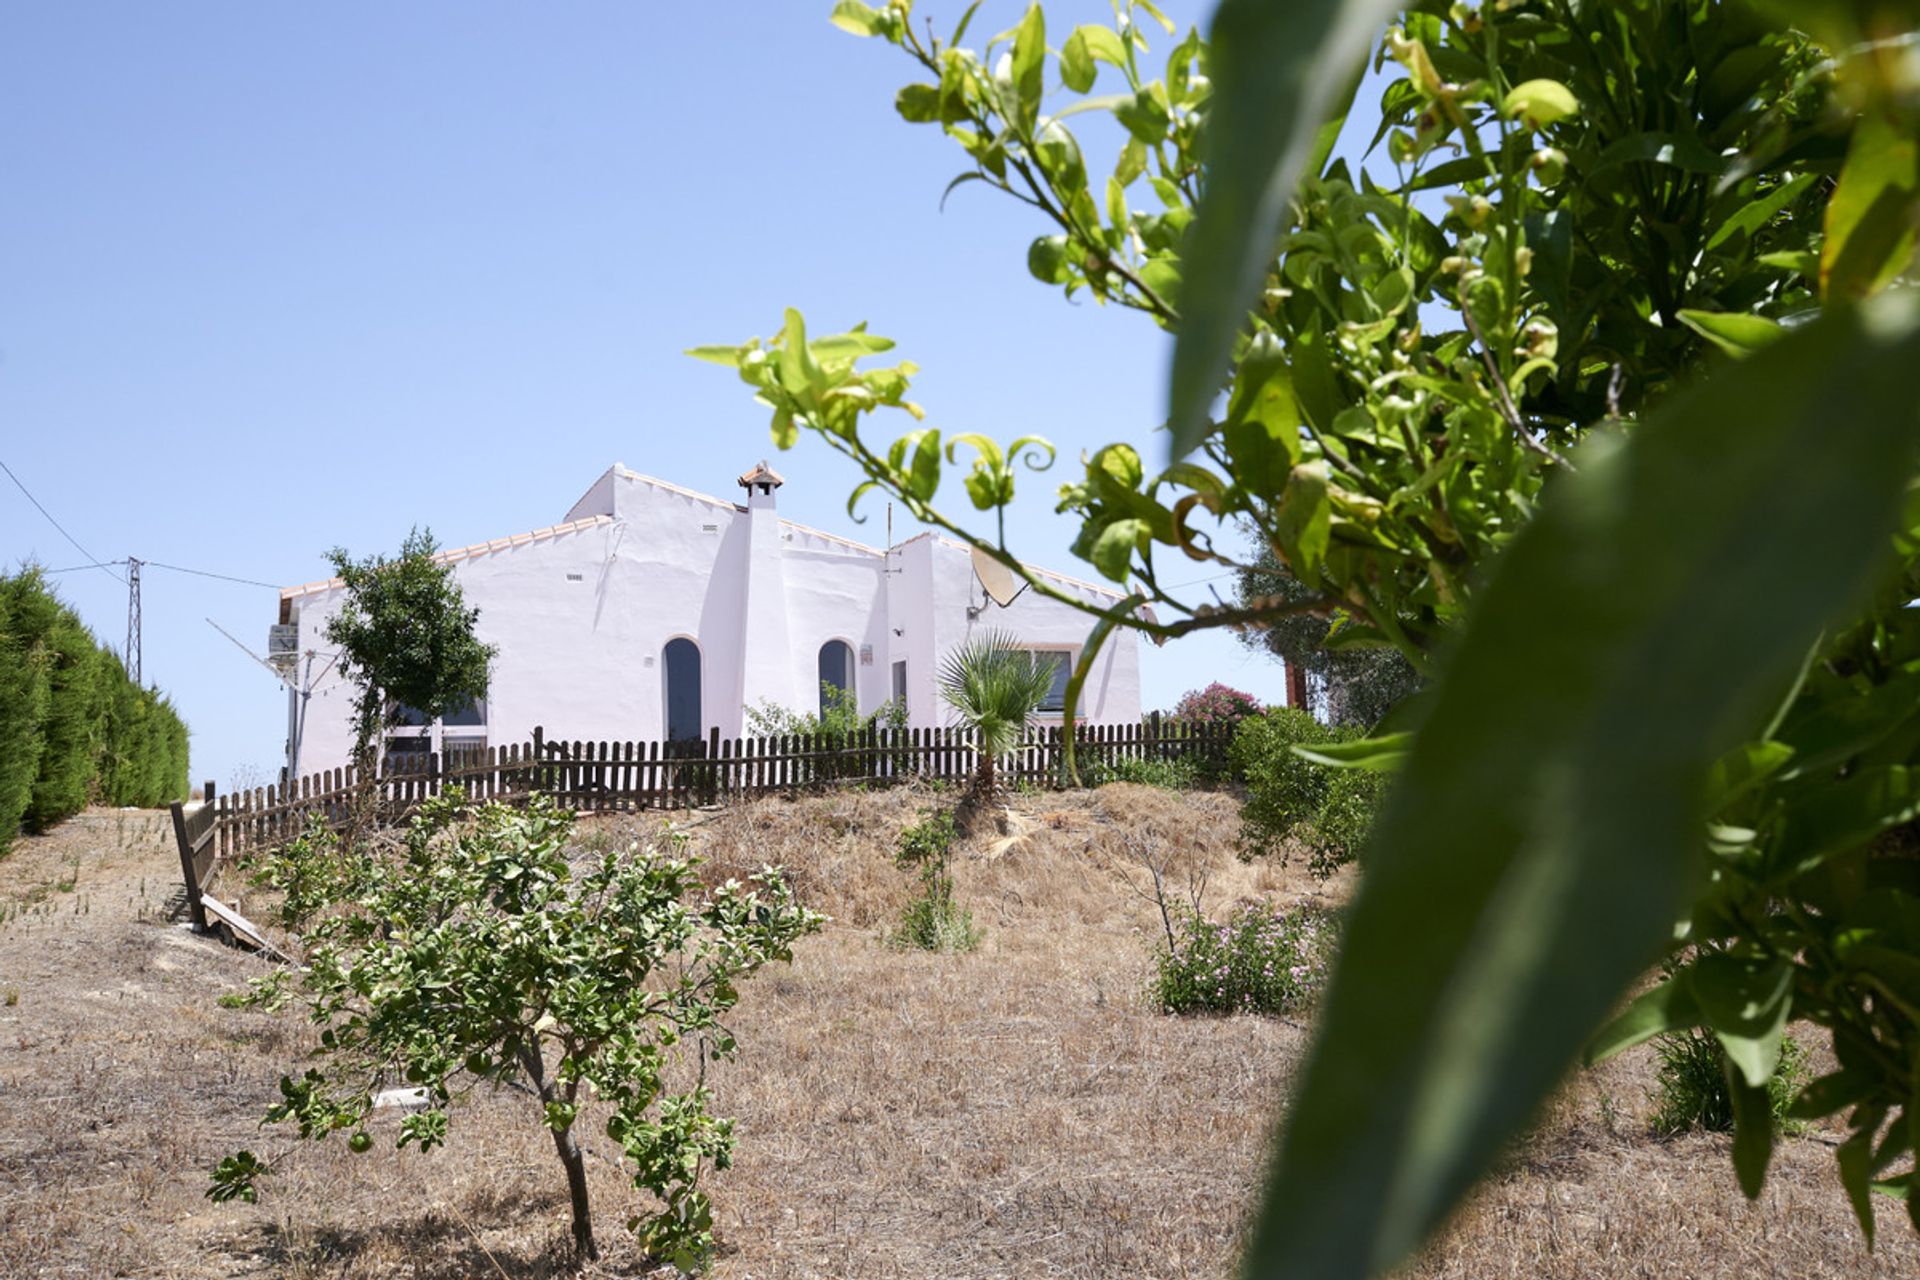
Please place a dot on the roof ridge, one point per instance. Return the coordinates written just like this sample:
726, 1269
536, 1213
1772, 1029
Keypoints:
453, 555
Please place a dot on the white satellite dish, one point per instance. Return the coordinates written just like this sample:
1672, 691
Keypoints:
995, 578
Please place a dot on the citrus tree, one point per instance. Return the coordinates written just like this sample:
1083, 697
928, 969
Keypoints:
474, 954
1598, 412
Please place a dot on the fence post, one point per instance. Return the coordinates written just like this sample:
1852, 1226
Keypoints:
713, 765
195, 911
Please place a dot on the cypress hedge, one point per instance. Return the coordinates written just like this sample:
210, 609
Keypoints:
74, 730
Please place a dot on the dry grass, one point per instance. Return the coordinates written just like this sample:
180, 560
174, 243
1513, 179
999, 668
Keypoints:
1015, 1111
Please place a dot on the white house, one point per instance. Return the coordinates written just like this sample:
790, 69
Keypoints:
654, 612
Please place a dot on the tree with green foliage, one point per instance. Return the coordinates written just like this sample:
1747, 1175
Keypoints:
996, 689
23, 710
1613, 451
406, 638
1363, 681
73, 729
475, 953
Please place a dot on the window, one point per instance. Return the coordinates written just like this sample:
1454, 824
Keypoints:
1062, 663
900, 682
836, 670
681, 659
467, 715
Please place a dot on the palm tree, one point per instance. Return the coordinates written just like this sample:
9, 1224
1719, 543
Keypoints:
996, 688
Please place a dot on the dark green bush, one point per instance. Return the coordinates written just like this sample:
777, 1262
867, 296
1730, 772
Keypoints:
1259, 960
1172, 775
74, 729
1327, 811
1690, 1089
23, 710
1335, 835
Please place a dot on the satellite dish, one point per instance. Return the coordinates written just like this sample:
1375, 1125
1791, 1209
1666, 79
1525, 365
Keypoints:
995, 578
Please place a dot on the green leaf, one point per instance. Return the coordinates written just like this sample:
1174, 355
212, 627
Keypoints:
1113, 549
1076, 62
1747, 766
1029, 63
1278, 73
728, 356
1870, 216
1855, 1158
1746, 1002
1145, 117
1543, 835
1752, 1131
1846, 814
918, 103
1755, 215
1668, 1007
1539, 103
1736, 333
852, 16
1303, 521
1833, 1093
1677, 151
1384, 754
1844, 723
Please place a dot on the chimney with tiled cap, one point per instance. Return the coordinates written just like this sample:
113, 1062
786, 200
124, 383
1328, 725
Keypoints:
767, 663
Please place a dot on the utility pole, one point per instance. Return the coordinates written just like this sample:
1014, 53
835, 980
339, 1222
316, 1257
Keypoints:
133, 622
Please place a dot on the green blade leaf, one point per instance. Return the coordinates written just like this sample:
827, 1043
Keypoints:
1869, 225
1668, 1007
1752, 1131
1382, 755
1737, 333
1746, 1002
1278, 70
1855, 1158
1545, 830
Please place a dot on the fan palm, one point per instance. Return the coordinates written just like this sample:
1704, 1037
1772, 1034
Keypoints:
996, 688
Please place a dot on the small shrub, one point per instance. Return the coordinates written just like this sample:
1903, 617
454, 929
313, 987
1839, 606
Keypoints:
1690, 1090
932, 921
1335, 835
1328, 811
834, 731
1259, 960
1170, 775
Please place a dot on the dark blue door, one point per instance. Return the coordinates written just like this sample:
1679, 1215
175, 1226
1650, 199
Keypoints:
683, 691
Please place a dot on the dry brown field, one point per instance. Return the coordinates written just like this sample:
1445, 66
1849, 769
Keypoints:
1019, 1111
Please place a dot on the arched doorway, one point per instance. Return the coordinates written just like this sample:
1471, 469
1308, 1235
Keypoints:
682, 661
836, 670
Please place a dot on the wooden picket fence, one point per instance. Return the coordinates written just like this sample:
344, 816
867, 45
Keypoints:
608, 777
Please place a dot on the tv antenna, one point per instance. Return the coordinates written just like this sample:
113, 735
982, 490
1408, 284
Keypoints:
282, 662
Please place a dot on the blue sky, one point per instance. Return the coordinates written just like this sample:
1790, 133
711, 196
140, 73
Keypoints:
277, 278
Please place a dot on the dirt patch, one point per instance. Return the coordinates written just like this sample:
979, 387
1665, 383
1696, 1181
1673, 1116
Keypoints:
1019, 1111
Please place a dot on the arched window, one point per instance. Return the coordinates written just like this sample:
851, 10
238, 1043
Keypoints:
682, 661
836, 669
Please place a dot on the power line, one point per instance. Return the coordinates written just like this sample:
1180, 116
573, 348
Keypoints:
76, 568
177, 568
98, 563
203, 573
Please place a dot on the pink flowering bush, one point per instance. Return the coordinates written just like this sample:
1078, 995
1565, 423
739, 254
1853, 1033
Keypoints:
1216, 704
1259, 960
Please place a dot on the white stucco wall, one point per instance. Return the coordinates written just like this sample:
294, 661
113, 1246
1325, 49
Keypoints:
581, 613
